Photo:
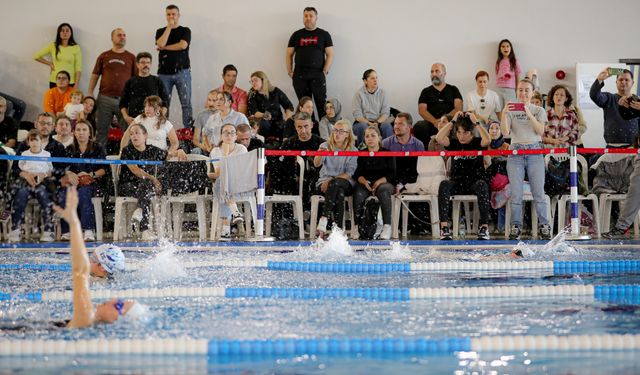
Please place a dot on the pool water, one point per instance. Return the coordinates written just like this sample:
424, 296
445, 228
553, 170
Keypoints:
285, 318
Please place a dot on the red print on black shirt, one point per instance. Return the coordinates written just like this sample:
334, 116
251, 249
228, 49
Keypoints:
310, 41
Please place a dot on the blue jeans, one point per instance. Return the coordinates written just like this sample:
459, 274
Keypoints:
386, 129
182, 81
20, 200
85, 207
534, 165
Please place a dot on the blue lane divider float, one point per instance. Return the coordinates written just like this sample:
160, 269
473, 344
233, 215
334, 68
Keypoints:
333, 346
234, 348
627, 294
557, 267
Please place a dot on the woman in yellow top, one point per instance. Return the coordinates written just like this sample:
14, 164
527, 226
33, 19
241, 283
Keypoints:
65, 55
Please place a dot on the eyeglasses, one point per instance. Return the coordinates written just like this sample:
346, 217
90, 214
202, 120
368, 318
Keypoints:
229, 133
482, 104
340, 131
45, 123
62, 78
119, 305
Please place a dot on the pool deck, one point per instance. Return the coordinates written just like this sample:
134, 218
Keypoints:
286, 246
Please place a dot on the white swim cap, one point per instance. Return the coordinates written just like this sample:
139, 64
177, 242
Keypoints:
110, 257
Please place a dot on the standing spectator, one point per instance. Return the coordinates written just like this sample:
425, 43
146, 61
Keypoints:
335, 181
63, 130
57, 97
84, 176
313, 50
507, 71
138, 88
224, 115
8, 126
174, 67
525, 123
15, 106
484, 103
618, 132
31, 182
371, 107
211, 107
375, 177
333, 110
563, 128
229, 76
467, 172
65, 56
435, 101
265, 107
139, 181
113, 67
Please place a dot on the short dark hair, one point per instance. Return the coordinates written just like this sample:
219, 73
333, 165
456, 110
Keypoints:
302, 116
229, 67
64, 72
310, 9
627, 71
552, 92
46, 114
243, 128
465, 123
172, 6
482, 73
33, 134
143, 55
406, 116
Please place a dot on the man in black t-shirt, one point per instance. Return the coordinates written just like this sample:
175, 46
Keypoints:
437, 100
313, 50
467, 172
137, 88
174, 67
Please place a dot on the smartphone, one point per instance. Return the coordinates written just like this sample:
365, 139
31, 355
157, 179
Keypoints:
615, 71
516, 107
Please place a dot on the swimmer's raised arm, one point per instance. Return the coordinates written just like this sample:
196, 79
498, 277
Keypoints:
83, 312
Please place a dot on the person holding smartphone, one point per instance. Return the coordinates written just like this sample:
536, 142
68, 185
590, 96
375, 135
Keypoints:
618, 132
525, 123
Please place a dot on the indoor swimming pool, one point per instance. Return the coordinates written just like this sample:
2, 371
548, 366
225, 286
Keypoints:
334, 308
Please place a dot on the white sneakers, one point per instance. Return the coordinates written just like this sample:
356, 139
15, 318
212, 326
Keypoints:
47, 237
147, 235
89, 235
14, 235
137, 215
386, 232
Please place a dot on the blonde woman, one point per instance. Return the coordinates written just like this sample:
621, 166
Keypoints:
335, 181
265, 106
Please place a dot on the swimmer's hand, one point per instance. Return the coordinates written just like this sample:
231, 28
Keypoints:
70, 212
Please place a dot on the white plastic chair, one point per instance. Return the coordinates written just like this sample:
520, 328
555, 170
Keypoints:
295, 200
401, 202
124, 205
472, 216
606, 201
173, 206
349, 210
564, 199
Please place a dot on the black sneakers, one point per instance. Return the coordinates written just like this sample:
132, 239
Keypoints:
514, 234
544, 232
615, 233
445, 234
483, 233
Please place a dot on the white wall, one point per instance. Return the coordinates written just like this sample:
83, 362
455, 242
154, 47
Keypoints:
400, 39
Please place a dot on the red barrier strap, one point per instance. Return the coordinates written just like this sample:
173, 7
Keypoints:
451, 153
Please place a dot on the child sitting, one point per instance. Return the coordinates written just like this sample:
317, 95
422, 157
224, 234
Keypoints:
31, 183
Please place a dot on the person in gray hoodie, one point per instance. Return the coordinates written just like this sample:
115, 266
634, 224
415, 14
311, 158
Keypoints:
333, 110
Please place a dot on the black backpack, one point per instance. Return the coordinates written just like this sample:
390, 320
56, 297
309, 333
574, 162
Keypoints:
556, 179
368, 218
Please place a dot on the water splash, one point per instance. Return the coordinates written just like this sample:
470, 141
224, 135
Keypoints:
164, 266
398, 251
336, 244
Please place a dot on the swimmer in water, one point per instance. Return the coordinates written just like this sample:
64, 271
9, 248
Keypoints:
85, 314
106, 260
